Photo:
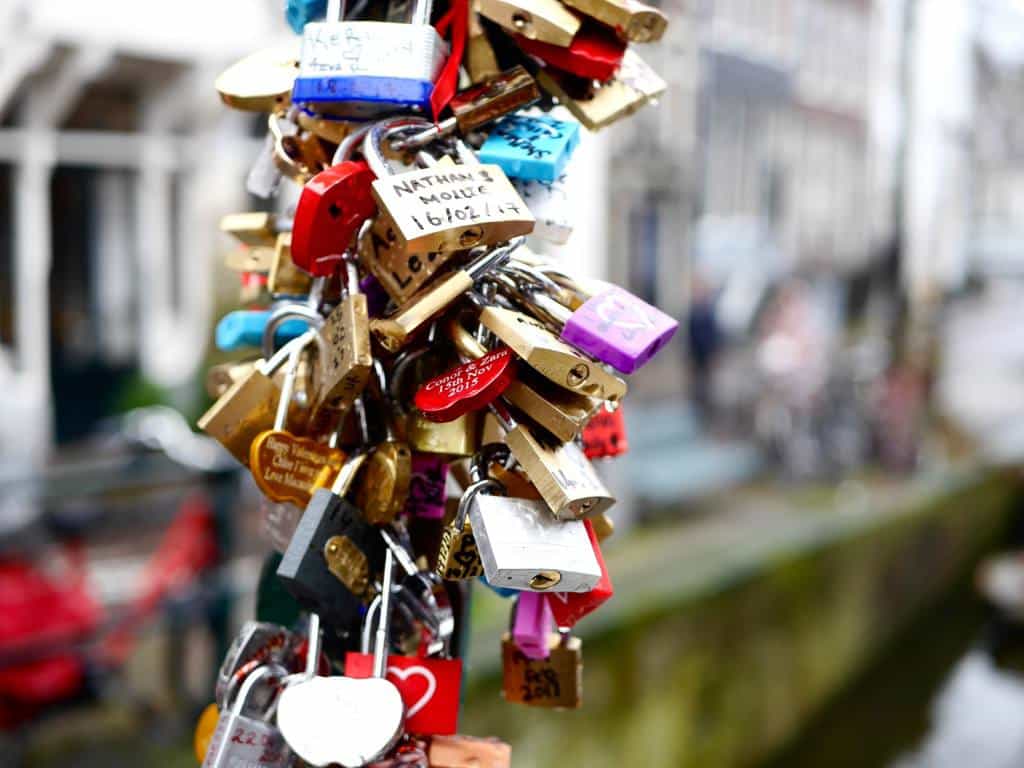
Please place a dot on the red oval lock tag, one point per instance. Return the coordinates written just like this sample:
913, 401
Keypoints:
467, 387
332, 207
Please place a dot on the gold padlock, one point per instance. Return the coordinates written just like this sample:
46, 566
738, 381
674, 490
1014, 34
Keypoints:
285, 278
539, 348
555, 682
253, 258
401, 274
252, 228
479, 59
384, 486
262, 81
634, 86
633, 21
545, 20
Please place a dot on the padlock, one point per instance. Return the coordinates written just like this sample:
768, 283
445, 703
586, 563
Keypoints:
468, 752
634, 86
345, 720
363, 68
559, 411
246, 737
605, 434
384, 488
250, 259
595, 52
567, 608
284, 278
262, 81
329, 128
444, 208
400, 274
253, 228
244, 328
524, 547
221, 377
251, 406
539, 348
458, 558
297, 154
467, 387
343, 351
531, 147
632, 20
497, 95
333, 554
555, 682
549, 203
532, 624
333, 206
545, 20
459, 436
257, 641
564, 478
395, 331
479, 58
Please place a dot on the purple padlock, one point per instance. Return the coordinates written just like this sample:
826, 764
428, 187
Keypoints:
619, 329
376, 297
427, 486
533, 623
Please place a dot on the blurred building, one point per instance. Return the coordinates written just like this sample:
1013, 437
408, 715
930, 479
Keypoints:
116, 161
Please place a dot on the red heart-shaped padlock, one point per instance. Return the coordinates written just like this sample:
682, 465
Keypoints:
332, 207
467, 387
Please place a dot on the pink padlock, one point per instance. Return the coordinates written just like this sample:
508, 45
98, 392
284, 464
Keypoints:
427, 486
533, 623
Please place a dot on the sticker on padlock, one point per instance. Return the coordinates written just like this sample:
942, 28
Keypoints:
531, 148
595, 52
604, 436
567, 608
430, 689
361, 68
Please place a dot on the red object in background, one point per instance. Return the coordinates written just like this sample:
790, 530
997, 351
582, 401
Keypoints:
457, 19
332, 207
466, 387
430, 689
570, 607
594, 53
604, 435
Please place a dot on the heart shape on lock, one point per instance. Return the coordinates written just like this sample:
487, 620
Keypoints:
426, 674
466, 387
342, 720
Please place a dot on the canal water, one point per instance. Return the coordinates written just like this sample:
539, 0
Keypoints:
949, 693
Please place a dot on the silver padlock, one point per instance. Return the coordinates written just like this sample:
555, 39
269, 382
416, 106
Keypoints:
366, 68
244, 735
258, 641
522, 546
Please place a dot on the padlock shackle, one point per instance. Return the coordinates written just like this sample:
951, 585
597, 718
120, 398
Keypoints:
378, 133
487, 483
335, 10
380, 650
465, 343
284, 312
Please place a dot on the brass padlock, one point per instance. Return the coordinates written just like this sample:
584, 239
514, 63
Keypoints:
400, 273
262, 81
539, 348
221, 377
250, 258
395, 332
554, 682
384, 487
564, 477
444, 208
344, 358
479, 59
634, 85
632, 20
285, 278
253, 228
546, 20
562, 412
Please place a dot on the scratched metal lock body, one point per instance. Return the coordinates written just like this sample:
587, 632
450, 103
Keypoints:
524, 547
363, 68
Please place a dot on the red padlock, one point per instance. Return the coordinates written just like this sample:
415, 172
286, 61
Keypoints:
604, 435
594, 53
332, 207
467, 387
570, 607
430, 689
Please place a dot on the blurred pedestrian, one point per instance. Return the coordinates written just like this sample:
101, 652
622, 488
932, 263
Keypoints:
703, 344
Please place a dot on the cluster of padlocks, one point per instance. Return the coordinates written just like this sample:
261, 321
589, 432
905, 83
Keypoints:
431, 391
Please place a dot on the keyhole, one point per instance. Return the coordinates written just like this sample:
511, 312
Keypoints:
521, 20
334, 210
578, 374
545, 580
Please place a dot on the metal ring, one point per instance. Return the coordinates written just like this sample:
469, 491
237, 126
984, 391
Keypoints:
287, 312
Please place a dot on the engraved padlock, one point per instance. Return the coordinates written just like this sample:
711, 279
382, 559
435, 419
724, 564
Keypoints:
363, 68
244, 735
459, 558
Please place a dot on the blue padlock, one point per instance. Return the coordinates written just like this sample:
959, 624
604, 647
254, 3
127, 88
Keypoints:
359, 69
244, 328
531, 148
298, 13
